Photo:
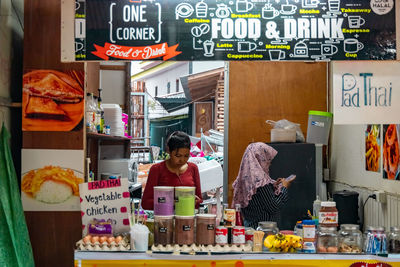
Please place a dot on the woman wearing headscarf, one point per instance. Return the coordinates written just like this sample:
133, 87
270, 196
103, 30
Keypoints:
260, 196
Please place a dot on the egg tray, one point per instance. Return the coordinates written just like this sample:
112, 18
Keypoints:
123, 245
201, 249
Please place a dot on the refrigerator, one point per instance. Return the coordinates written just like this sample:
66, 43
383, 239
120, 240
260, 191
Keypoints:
305, 161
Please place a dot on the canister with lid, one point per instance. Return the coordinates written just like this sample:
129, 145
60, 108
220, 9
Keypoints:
184, 230
205, 229
184, 200
327, 241
350, 239
164, 200
163, 230
328, 214
394, 239
269, 228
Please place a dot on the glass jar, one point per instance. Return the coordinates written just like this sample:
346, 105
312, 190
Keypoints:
350, 239
375, 241
269, 228
327, 240
394, 239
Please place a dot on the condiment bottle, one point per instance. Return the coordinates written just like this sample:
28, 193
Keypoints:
316, 207
238, 215
328, 214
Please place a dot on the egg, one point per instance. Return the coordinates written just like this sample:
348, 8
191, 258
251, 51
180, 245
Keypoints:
94, 239
103, 239
87, 239
110, 239
321, 249
332, 249
118, 239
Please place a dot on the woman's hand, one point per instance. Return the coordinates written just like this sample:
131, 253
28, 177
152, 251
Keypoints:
285, 182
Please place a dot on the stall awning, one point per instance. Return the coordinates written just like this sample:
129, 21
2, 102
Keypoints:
201, 86
173, 102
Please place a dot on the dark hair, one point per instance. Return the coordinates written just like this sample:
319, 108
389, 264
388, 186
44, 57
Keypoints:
178, 140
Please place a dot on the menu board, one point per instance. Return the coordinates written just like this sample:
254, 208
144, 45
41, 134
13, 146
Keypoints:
273, 30
106, 200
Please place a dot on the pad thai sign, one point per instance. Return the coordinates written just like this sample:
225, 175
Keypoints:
106, 200
235, 30
366, 93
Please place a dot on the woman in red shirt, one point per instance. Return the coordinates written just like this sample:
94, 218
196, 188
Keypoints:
175, 171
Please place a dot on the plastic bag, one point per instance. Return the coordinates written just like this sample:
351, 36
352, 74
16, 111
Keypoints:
285, 124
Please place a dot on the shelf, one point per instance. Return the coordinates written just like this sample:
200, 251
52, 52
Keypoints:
107, 137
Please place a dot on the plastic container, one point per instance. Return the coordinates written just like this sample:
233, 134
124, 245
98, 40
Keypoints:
269, 228
205, 229
327, 241
309, 236
394, 239
163, 201
350, 239
319, 125
163, 230
140, 237
283, 135
184, 230
184, 200
375, 241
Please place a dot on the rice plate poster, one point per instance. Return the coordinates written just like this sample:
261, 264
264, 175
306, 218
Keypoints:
51, 178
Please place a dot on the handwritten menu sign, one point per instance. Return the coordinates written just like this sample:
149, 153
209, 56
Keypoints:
366, 92
235, 30
107, 199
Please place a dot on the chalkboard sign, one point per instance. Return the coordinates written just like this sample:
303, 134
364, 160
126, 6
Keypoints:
235, 30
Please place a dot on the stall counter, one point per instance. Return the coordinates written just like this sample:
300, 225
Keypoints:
132, 259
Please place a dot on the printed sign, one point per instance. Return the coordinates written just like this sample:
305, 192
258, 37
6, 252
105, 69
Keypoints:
107, 200
391, 152
366, 93
235, 30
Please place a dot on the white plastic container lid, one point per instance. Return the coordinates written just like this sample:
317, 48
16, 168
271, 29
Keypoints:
328, 204
184, 217
163, 217
206, 215
164, 188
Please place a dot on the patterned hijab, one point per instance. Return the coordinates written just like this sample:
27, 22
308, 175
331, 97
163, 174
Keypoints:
254, 173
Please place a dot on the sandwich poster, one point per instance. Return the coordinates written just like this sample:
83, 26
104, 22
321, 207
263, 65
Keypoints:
275, 30
107, 200
50, 179
52, 100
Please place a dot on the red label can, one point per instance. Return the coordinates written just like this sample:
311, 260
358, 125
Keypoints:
238, 235
221, 235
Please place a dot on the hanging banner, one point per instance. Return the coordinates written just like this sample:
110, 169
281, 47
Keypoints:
235, 30
366, 92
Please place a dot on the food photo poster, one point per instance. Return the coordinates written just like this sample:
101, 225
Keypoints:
372, 147
52, 100
390, 150
50, 179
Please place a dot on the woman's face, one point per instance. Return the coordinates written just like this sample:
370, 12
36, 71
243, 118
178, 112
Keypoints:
179, 156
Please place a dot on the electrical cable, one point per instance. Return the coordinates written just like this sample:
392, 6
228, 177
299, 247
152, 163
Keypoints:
363, 206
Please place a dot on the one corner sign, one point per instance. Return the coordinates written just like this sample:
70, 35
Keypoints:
235, 30
108, 200
366, 92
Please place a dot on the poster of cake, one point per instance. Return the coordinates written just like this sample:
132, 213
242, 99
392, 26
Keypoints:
52, 100
373, 147
50, 179
390, 150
